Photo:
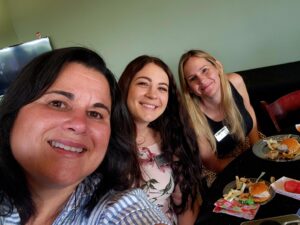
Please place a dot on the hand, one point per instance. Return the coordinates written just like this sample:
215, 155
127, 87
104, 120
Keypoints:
177, 195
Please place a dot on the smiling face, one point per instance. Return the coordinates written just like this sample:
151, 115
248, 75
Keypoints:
148, 94
63, 136
202, 77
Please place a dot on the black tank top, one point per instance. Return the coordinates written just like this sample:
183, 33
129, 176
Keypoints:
228, 143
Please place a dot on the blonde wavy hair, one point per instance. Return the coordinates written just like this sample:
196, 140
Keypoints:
233, 118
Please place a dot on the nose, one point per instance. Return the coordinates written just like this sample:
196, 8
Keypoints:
151, 93
77, 123
200, 78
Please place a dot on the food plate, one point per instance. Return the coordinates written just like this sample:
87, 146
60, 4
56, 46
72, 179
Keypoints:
232, 185
279, 188
260, 149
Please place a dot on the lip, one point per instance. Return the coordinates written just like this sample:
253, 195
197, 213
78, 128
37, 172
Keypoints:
148, 105
204, 87
68, 147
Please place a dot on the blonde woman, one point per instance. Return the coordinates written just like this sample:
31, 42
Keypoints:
219, 106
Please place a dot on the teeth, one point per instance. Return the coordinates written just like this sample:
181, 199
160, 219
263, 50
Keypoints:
65, 147
149, 106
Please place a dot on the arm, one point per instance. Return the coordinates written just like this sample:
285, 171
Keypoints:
209, 158
129, 207
189, 216
239, 84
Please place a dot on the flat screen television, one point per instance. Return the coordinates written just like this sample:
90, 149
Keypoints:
14, 58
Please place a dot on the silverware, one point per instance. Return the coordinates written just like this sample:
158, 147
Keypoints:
260, 176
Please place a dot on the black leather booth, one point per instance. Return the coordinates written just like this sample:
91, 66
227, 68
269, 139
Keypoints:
269, 83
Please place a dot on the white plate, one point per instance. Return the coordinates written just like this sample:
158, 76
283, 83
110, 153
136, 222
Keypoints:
279, 188
232, 185
260, 149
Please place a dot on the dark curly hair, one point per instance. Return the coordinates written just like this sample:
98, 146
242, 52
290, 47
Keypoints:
178, 137
119, 170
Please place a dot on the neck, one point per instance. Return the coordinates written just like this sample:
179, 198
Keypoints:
49, 203
142, 128
145, 135
212, 108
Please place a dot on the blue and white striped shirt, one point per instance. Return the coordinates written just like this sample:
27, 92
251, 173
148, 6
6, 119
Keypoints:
123, 208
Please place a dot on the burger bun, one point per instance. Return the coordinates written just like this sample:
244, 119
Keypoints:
292, 144
259, 192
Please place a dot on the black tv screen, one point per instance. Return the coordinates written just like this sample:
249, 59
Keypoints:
14, 58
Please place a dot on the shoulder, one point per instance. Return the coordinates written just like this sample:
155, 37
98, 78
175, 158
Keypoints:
236, 80
129, 207
8, 215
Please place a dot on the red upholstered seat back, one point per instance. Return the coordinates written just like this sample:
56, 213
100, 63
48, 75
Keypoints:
282, 107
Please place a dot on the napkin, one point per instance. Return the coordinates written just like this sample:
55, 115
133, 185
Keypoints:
278, 187
236, 208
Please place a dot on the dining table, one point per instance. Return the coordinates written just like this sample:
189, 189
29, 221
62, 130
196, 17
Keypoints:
249, 165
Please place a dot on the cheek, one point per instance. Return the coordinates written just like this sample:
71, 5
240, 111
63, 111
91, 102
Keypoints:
215, 75
192, 88
135, 93
20, 130
101, 136
132, 101
24, 138
165, 100
130, 105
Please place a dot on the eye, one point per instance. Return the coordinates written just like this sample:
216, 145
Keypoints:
56, 104
191, 78
204, 70
142, 83
95, 115
163, 89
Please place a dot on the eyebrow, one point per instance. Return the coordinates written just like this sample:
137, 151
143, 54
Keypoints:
149, 79
201, 68
72, 97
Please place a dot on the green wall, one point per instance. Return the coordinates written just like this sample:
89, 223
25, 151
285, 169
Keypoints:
242, 34
7, 33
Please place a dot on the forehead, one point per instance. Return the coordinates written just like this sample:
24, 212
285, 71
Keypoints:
154, 72
82, 80
76, 70
193, 63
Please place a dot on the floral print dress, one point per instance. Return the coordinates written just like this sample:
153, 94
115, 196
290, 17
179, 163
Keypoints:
158, 179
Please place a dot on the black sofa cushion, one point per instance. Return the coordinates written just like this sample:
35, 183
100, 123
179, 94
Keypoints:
268, 84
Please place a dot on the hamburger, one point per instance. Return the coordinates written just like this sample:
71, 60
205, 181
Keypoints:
259, 192
292, 144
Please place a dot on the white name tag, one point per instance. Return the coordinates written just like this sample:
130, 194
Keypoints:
221, 133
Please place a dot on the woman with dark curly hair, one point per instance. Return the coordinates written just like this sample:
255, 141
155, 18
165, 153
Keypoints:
167, 147
67, 155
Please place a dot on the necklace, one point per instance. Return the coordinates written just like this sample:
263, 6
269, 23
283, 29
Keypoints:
140, 140
147, 137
